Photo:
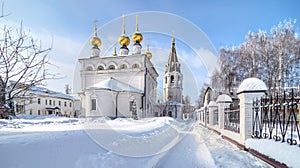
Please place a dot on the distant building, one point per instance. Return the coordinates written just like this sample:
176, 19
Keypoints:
172, 83
118, 85
43, 101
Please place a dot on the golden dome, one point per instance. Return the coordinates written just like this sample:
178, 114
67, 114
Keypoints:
95, 41
149, 54
124, 40
137, 37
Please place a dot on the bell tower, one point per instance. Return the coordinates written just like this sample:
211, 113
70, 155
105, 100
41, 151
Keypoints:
172, 81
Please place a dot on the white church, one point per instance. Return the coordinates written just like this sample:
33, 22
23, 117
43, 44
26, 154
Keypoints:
124, 84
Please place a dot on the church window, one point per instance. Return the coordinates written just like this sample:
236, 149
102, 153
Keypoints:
172, 78
166, 80
100, 68
89, 68
39, 101
135, 66
111, 67
94, 104
123, 66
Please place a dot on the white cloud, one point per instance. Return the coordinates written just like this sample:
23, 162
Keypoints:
209, 59
63, 55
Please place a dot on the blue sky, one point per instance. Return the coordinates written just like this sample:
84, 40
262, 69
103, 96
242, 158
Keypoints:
225, 22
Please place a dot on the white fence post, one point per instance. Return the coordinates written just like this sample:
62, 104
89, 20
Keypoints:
223, 102
249, 90
212, 106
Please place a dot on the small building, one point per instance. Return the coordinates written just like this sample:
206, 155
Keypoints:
43, 101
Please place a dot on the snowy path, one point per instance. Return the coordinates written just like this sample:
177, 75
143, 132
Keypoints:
203, 148
62, 142
224, 153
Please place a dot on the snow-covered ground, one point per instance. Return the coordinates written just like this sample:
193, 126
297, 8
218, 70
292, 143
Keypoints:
34, 142
279, 151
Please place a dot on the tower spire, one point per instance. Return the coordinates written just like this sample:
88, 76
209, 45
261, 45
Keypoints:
115, 50
123, 18
173, 64
95, 27
173, 39
173, 77
148, 53
147, 44
136, 23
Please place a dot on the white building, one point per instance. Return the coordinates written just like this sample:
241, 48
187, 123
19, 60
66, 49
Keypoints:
43, 101
121, 85
172, 84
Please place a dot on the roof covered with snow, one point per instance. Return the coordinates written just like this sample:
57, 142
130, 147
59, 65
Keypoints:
113, 84
47, 92
252, 85
224, 98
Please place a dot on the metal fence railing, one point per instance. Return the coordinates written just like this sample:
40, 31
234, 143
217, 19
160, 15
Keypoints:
277, 118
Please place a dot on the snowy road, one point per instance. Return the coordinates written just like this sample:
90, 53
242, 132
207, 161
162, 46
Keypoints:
161, 142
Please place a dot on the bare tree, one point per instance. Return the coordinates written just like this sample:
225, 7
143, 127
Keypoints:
273, 57
23, 62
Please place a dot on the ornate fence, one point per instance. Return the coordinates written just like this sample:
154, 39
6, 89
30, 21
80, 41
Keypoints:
276, 118
232, 119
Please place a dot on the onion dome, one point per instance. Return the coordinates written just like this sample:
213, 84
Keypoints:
123, 39
137, 36
95, 40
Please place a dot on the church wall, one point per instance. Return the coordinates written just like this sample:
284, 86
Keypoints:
123, 105
106, 103
104, 106
134, 76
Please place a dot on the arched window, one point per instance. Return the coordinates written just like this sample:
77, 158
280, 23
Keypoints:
135, 66
100, 68
89, 68
111, 67
166, 80
123, 66
172, 78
